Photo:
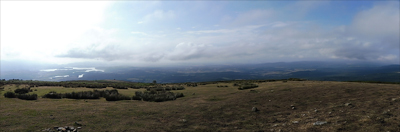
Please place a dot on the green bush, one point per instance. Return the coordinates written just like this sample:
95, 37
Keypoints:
157, 96
178, 95
136, 98
247, 86
27, 96
9, 95
82, 95
22, 90
116, 97
53, 95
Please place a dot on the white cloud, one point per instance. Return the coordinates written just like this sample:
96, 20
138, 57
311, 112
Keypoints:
141, 33
248, 36
159, 15
301, 8
41, 29
251, 17
380, 23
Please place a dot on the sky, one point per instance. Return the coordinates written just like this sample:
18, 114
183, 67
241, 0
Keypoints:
157, 33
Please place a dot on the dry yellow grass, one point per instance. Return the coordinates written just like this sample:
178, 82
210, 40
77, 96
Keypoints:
374, 107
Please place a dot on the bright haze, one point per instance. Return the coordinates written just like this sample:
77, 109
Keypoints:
158, 33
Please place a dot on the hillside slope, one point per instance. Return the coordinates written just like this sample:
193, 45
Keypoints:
283, 106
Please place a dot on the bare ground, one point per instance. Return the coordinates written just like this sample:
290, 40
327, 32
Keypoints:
344, 106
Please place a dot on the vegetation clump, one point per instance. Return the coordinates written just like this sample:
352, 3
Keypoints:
110, 95
22, 90
53, 95
27, 96
167, 88
9, 95
116, 97
247, 86
82, 95
156, 96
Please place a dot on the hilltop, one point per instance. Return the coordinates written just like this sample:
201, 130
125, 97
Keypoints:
216, 106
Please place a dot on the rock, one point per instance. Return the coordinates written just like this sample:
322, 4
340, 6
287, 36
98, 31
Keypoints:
183, 120
78, 124
347, 104
293, 108
275, 125
254, 109
79, 127
71, 128
318, 123
60, 128
295, 122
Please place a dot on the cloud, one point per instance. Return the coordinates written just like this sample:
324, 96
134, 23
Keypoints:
188, 51
252, 17
158, 15
250, 36
141, 33
45, 28
108, 53
380, 23
301, 8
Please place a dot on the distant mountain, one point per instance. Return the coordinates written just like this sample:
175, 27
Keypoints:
326, 71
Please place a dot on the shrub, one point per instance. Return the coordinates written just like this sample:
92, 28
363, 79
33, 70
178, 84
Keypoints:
27, 96
136, 98
116, 97
9, 95
157, 96
178, 95
106, 93
22, 90
247, 86
52, 95
83, 95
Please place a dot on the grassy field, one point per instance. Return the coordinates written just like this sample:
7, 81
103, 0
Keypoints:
344, 106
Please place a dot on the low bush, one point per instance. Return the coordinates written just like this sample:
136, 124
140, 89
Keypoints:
178, 95
82, 95
9, 95
136, 98
157, 96
53, 95
22, 90
27, 96
247, 86
105, 93
116, 97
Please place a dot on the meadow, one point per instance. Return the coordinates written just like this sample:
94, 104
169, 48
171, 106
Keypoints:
283, 106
